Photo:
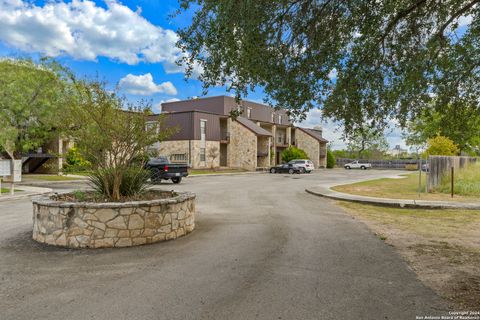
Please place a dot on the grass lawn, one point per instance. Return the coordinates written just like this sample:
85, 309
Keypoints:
404, 188
467, 181
210, 171
48, 177
441, 246
78, 173
7, 190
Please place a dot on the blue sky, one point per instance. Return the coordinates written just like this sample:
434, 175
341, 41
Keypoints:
128, 43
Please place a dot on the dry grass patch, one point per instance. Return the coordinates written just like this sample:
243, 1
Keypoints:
403, 188
442, 246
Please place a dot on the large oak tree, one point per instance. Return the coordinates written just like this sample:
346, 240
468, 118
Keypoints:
361, 61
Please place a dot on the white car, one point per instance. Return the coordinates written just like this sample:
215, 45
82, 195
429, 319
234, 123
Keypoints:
358, 165
305, 165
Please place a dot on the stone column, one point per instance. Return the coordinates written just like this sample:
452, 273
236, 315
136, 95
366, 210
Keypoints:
289, 136
274, 147
60, 155
229, 145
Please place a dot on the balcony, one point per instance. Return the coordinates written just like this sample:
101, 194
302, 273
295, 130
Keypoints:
281, 141
262, 153
225, 137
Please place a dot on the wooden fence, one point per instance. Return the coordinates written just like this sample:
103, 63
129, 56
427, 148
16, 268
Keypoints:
403, 164
440, 167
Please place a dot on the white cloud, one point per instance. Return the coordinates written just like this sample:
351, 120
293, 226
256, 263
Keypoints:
85, 31
158, 107
145, 86
465, 20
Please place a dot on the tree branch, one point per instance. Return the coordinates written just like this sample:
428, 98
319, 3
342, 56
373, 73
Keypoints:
454, 16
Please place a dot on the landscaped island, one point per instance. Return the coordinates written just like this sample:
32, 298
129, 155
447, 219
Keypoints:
113, 224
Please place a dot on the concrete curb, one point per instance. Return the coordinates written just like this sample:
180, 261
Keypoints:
29, 192
225, 174
388, 202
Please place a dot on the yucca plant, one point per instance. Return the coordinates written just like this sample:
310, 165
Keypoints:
134, 181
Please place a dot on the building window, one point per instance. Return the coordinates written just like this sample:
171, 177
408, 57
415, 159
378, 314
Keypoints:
249, 113
203, 126
273, 117
280, 118
202, 154
178, 157
151, 125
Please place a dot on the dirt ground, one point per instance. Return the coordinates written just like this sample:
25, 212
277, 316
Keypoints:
441, 246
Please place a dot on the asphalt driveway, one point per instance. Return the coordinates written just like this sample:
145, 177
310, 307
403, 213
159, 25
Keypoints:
263, 249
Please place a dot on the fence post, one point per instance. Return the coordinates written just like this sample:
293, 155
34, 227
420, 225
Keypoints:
452, 181
419, 175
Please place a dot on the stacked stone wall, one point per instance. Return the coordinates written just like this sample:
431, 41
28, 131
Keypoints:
263, 145
242, 149
310, 145
101, 225
167, 148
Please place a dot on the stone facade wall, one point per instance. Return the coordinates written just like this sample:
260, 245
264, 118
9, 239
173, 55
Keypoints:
55, 146
263, 145
209, 162
310, 145
102, 225
323, 155
168, 148
242, 149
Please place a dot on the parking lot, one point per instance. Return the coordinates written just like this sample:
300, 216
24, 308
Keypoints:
263, 248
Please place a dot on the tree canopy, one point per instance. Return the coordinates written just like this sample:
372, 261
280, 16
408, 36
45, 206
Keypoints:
361, 61
114, 135
31, 101
460, 123
366, 142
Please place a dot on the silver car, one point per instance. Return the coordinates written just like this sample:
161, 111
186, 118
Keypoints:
305, 165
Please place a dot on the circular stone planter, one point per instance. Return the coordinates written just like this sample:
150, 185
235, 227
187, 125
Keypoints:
110, 224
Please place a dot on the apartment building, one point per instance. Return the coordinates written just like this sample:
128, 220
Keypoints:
207, 136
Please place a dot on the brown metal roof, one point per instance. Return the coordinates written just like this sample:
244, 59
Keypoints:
316, 134
259, 131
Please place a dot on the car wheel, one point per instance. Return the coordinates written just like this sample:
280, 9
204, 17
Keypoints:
347, 167
272, 170
177, 180
291, 171
363, 168
303, 170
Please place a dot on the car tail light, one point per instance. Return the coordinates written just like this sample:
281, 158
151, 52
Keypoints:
165, 168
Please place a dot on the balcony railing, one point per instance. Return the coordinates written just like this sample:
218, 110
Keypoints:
225, 137
281, 141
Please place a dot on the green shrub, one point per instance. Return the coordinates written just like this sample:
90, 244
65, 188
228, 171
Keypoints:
330, 159
292, 153
467, 181
75, 161
441, 146
133, 181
